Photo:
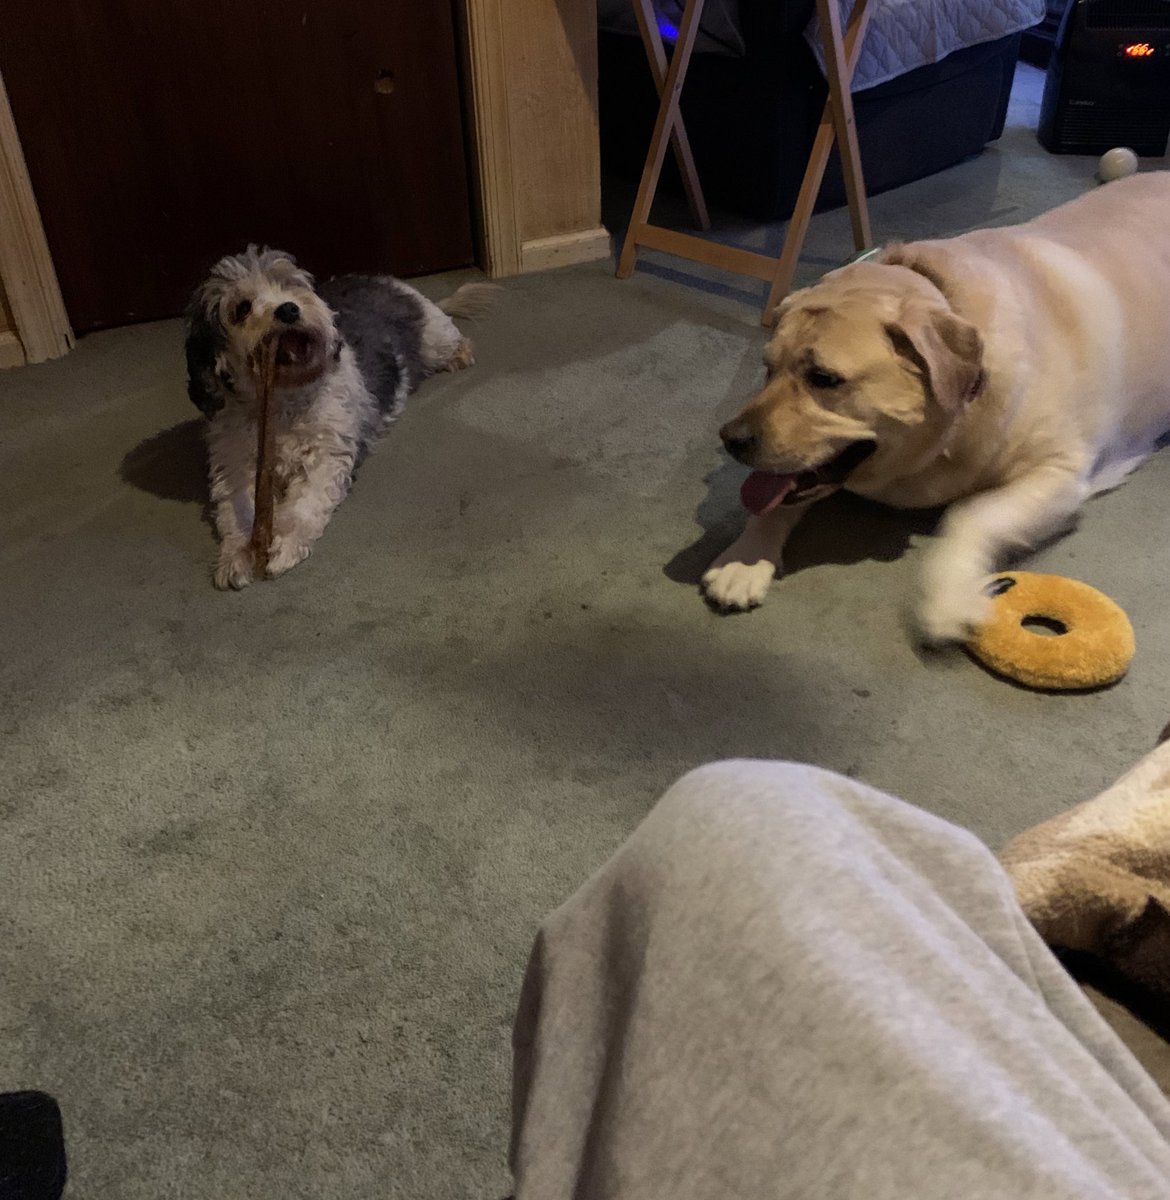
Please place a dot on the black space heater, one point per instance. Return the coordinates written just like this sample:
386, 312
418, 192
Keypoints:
1109, 79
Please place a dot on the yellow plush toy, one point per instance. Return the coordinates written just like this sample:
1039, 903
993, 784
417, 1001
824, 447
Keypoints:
1089, 643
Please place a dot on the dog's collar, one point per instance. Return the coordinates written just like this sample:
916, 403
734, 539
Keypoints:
864, 255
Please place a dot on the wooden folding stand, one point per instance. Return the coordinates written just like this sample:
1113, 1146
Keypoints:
837, 124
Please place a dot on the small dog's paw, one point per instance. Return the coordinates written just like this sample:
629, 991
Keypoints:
737, 585
234, 569
286, 553
953, 616
463, 357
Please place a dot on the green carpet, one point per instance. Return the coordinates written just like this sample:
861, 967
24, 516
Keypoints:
271, 862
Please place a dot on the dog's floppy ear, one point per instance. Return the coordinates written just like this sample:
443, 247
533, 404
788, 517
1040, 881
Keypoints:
947, 350
205, 341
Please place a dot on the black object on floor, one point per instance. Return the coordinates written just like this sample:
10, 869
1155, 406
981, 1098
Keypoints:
1109, 80
32, 1147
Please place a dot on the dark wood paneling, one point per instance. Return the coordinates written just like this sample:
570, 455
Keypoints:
162, 135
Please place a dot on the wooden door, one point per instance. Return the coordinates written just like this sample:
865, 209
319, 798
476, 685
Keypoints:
161, 135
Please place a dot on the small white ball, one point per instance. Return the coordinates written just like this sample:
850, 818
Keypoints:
1116, 164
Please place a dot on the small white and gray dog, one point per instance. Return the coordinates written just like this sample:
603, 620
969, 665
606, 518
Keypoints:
347, 355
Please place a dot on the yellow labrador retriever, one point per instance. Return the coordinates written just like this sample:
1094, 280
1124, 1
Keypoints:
1008, 373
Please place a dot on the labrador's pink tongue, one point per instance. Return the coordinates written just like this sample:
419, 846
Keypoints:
762, 491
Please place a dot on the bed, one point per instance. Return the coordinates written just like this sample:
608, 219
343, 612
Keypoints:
931, 89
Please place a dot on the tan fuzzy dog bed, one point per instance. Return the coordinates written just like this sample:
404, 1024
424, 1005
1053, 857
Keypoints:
1096, 879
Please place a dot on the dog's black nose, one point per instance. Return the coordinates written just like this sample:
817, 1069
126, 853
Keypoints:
739, 439
287, 312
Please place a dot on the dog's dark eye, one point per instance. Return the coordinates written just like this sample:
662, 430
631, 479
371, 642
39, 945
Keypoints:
818, 377
241, 310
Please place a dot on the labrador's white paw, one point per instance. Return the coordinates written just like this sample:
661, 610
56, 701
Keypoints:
737, 585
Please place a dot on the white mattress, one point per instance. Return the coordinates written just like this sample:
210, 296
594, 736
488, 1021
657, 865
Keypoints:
905, 34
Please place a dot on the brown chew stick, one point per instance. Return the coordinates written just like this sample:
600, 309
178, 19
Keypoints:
263, 376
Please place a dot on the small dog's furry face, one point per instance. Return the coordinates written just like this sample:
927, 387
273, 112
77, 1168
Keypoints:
246, 298
869, 362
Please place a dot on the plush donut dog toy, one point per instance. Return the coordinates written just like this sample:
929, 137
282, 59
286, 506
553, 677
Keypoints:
1090, 644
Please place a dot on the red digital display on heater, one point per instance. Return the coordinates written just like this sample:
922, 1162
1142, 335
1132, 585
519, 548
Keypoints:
1138, 50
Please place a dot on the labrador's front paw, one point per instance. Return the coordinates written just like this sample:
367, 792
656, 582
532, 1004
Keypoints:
953, 614
737, 586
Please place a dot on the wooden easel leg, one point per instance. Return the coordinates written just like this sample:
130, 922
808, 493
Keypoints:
679, 142
663, 126
801, 216
841, 101
841, 56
